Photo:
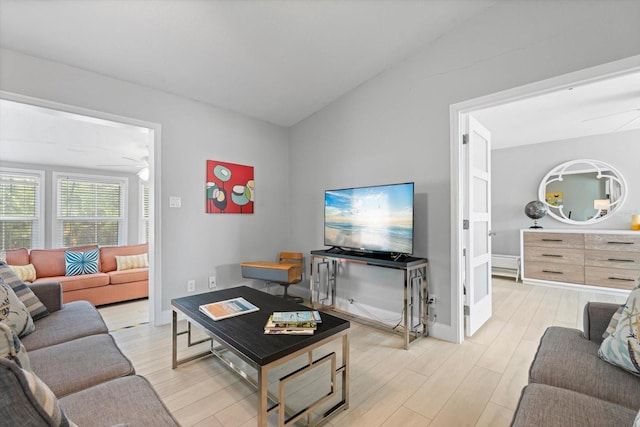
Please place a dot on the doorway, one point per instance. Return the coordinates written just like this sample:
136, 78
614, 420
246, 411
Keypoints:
458, 115
150, 154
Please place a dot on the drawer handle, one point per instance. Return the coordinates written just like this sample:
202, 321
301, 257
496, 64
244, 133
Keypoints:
621, 260
553, 255
620, 243
552, 240
619, 278
552, 272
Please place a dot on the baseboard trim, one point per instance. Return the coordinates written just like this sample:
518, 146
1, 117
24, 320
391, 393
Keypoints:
575, 287
442, 332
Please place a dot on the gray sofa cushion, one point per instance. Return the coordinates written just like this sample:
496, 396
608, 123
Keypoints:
566, 360
546, 406
75, 320
131, 401
79, 364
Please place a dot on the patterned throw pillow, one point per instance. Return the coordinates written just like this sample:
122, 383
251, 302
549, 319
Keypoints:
636, 422
3, 256
37, 310
26, 273
78, 263
613, 322
13, 312
47, 400
621, 347
11, 347
129, 262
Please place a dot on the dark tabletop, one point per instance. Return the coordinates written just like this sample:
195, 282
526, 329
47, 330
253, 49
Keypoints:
245, 332
379, 259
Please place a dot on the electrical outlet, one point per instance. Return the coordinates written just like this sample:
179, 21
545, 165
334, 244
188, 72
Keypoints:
212, 282
191, 285
431, 299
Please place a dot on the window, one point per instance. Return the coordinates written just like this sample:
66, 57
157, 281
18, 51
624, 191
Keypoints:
20, 202
144, 213
90, 210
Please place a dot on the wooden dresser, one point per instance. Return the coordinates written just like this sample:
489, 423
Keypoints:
602, 258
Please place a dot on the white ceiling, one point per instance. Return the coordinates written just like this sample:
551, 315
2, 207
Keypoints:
601, 107
279, 61
31, 134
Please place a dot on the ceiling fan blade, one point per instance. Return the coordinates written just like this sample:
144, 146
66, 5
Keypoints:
610, 115
126, 166
628, 123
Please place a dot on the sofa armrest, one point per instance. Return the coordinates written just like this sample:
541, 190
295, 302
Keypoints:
596, 318
49, 293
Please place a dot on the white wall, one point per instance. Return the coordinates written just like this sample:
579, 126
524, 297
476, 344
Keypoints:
193, 243
396, 127
393, 128
515, 183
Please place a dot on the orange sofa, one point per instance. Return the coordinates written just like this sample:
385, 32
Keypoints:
107, 286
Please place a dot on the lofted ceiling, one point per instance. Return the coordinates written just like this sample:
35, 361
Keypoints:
279, 61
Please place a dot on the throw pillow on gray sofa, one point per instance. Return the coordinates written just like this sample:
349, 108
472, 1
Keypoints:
36, 402
13, 313
37, 310
11, 347
621, 347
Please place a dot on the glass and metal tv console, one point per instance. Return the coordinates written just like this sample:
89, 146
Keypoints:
323, 295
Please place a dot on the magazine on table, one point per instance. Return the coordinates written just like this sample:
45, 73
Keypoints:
228, 308
289, 326
296, 316
289, 332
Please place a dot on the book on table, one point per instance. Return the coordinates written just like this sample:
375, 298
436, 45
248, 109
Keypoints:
297, 316
228, 308
289, 328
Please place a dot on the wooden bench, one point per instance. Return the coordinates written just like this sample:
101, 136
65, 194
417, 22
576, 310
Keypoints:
505, 266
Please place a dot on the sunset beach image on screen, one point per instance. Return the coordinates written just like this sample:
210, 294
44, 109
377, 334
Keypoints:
378, 218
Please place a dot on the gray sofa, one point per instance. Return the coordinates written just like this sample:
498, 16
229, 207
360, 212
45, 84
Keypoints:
569, 385
72, 352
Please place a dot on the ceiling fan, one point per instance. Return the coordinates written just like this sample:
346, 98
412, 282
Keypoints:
142, 163
635, 117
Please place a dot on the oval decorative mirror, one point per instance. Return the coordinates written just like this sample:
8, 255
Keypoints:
581, 192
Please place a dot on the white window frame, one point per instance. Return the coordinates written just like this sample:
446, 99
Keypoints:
144, 222
40, 202
56, 239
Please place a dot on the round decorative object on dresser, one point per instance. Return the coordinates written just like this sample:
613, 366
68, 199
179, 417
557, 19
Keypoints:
535, 210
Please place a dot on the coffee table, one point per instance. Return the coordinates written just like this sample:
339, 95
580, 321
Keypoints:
243, 336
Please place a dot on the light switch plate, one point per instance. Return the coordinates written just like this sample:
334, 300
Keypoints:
175, 202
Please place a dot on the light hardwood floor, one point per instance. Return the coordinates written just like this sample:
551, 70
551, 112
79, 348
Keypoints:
434, 383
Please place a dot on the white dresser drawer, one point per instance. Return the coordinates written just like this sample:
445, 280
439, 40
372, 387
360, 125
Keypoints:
554, 240
612, 259
554, 255
613, 242
611, 277
569, 273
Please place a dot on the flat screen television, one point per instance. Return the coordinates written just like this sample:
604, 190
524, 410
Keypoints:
370, 219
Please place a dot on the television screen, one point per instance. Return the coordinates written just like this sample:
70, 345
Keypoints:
378, 218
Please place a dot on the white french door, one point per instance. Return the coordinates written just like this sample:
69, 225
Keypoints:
477, 226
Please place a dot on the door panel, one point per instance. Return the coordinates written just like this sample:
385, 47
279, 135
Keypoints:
478, 236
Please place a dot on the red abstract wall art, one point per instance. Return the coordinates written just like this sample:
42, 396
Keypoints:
230, 188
